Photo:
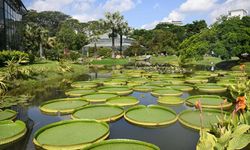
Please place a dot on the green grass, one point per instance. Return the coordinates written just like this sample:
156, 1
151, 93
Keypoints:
110, 61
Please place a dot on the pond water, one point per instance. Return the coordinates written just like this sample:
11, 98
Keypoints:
174, 136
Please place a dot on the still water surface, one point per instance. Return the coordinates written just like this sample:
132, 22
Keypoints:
172, 137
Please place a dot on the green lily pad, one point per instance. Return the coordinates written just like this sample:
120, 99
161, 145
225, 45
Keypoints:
70, 134
170, 100
62, 106
184, 88
196, 80
84, 85
212, 88
105, 113
122, 144
7, 114
116, 90
166, 92
123, 101
191, 118
146, 88
11, 132
79, 92
98, 97
152, 115
208, 101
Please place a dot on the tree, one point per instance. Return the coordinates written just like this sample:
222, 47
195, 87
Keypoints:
228, 37
94, 30
123, 29
50, 20
113, 20
35, 37
71, 34
195, 27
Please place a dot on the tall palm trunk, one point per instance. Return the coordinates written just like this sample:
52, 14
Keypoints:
41, 50
121, 44
95, 53
113, 43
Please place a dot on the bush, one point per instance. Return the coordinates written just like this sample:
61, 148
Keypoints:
16, 55
105, 52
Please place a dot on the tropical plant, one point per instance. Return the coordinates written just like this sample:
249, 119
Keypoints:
123, 29
64, 66
3, 85
113, 20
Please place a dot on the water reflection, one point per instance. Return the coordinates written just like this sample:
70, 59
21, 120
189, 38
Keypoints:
174, 136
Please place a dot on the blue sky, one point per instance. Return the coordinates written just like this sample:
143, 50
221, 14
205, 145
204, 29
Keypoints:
142, 13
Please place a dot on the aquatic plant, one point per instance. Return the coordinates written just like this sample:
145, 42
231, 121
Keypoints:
229, 133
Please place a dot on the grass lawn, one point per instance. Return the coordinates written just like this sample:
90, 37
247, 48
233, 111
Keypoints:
110, 61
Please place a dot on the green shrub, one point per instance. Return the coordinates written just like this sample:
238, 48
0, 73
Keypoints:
105, 52
7, 55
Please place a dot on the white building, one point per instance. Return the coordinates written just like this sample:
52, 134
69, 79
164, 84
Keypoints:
106, 42
237, 13
177, 23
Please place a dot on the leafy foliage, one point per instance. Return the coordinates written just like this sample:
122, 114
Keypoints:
7, 55
227, 38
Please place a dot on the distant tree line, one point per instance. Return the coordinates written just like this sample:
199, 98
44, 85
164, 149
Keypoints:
51, 33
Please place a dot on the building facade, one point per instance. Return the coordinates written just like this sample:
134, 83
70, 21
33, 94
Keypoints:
237, 13
106, 42
11, 12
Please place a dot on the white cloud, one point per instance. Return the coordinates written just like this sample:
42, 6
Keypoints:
150, 25
119, 5
222, 9
174, 16
197, 5
84, 10
44, 5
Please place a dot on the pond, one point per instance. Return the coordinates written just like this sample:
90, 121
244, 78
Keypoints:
174, 136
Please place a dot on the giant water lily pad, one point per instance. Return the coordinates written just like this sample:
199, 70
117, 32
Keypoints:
62, 106
170, 100
99, 112
11, 131
84, 84
146, 88
98, 97
152, 115
166, 92
191, 118
79, 92
208, 101
184, 88
212, 88
122, 144
116, 90
7, 114
123, 101
70, 134
196, 80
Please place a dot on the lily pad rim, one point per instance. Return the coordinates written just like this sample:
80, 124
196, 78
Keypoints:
73, 146
150, 124
16, 137
127, 141
114, 118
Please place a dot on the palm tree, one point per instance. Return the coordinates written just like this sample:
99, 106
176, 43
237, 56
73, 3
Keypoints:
35, 36
123, 29
113, 20
42, 39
